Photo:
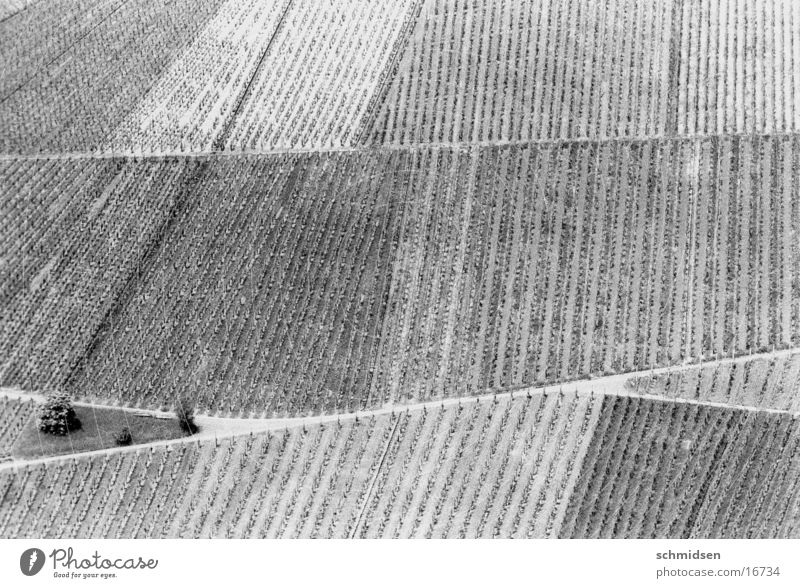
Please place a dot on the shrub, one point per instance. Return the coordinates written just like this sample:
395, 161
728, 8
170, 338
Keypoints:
56, 415
184, 412
124, 437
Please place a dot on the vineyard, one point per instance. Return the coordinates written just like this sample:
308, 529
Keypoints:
267, 302
376, 477
767, 383
105, 66
74, 235
502, 468
396, 275
664, 469
244, 75
423, 268
564, 69
14, 414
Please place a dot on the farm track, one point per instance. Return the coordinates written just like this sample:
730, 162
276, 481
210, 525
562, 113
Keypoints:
462, 146
607, 386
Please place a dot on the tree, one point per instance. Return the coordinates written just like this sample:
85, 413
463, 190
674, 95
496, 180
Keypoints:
184, 412
56, 415
124, 437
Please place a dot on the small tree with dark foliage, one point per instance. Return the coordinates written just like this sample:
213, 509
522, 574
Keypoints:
123, 437
56, 415
184, 412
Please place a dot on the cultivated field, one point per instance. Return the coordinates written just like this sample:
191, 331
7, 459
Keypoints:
664, 469
764, 383
73, 237
244, 75
14, 414
407, 474
566, 69
496, 258
70, 97
267, 301
553, 262
549, 465
345, 280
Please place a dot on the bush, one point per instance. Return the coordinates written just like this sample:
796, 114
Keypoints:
184, 412
124, 437
56, 415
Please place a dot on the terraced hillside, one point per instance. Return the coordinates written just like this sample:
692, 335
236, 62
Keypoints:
431, 268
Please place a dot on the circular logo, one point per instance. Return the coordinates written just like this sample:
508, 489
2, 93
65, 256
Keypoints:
31, 561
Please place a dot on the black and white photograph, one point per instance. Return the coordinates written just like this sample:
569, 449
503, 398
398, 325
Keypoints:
398, 269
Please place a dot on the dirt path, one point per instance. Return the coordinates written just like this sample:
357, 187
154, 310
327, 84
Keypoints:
222, 427
457, 146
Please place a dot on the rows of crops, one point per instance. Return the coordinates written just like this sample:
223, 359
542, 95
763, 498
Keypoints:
488, 70
536, 466
14, 414
270, 299
769, 383
71, 98
37, 36
195, 76
665, 469
189, 106
398, 274
224, 74
549, 263
9, 8
408, 474
314, 87
73, 235
493, 469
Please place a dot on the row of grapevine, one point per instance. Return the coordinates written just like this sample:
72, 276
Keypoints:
492, 468
490, 70
75, 98
74, 234
536, 264
196, 76
190, 105
677, 470
769, 383
14, 415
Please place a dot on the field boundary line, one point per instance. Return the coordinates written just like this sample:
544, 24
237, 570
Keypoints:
462, 146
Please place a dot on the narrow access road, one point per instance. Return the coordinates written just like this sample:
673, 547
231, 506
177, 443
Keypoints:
224, 427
